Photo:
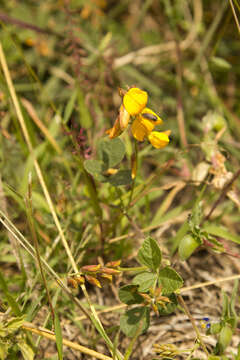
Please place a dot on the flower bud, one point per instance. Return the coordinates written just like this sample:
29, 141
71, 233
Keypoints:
159, 139
110, 271
107, 277
90, 268
113, 263
92, 280
187, 246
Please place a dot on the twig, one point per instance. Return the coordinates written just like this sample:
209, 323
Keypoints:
9, 20
235, 15
32, 113
222, 195
208, 283
180, 112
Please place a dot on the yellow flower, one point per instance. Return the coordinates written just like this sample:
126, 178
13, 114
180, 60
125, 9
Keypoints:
144, 124
159, 139
135, 101
141, 128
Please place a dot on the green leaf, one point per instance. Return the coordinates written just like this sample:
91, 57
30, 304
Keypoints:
150, 254
84, 114
26, 350
10, 299
133, 319
122, 177
225, 306
232, 309
178, 237
4, 350
145, 281
238, 353
58, 334
169, 307
170, 280
111, 152
15, 323
220, 63
40, 202
69, 107
128, 294
215, 328
95, 168
221, 232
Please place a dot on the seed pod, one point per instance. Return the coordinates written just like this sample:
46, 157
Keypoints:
110, 271
187, 246
92, 280
225, 338
106, 277
90, 268
113, 264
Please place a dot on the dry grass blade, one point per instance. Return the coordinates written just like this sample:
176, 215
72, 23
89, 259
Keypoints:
235, 15
31, 111
50, 335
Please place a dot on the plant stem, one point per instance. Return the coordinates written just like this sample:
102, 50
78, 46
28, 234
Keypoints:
134, 180
137, 268
199, 337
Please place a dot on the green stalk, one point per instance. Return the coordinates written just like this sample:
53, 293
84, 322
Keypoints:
134, 180
90, 186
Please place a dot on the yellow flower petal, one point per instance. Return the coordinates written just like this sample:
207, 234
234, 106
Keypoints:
151, 115
135, 100
159, 139
141, 128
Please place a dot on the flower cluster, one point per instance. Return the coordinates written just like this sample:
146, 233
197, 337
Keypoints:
155, 298
94, 273
205, 323
144, 119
